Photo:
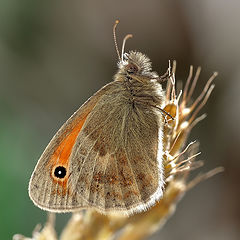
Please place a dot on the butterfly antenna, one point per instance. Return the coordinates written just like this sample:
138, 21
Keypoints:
115, 38
124, 42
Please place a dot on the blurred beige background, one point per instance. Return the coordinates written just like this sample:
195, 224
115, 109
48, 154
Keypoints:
56, 54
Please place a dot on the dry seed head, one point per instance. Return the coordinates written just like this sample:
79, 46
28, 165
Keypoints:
176, 132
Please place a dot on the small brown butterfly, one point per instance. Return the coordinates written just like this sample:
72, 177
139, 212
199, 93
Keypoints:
108, 155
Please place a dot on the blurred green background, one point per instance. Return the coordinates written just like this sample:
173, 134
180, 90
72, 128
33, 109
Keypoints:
56, 54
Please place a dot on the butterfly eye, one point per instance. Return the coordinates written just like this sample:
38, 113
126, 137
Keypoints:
60, 172
131, 68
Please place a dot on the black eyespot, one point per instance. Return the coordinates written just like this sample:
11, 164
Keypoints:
60, 172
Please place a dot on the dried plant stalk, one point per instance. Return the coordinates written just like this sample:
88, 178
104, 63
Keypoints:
178, 162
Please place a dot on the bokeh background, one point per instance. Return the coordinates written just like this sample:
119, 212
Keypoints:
55, 54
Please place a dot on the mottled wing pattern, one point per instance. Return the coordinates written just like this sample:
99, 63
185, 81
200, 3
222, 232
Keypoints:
118, 156
112, 152
46, 191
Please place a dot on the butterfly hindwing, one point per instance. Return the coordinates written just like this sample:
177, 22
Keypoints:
120, 155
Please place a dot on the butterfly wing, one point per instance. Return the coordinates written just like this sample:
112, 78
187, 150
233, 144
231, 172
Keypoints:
45, 189
112, 153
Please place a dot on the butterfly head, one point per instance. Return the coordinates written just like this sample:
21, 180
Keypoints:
133, 65
136, 65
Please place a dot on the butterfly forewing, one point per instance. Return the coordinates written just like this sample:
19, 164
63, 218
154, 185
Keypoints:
47, 191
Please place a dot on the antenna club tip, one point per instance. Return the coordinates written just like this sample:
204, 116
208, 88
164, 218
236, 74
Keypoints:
117, 21
127, 37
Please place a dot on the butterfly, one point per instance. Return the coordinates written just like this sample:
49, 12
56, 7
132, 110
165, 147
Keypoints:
109, 154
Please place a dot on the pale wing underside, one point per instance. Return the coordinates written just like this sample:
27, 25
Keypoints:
43, 190
115, 164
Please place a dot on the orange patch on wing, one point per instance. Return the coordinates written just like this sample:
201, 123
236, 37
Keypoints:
64, 150
62, 153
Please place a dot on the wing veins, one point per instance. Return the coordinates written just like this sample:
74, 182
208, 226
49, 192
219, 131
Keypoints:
133, 173
92, 176
87, 136
84, 162
119, 174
